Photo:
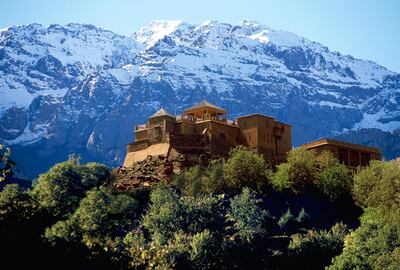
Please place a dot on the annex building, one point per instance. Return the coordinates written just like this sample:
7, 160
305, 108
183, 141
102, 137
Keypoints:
205, 128
349, 154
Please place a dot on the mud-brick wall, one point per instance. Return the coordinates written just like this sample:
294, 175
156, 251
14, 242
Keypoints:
136, 146
177, 140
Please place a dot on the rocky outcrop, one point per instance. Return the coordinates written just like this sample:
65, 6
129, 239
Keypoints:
155, 169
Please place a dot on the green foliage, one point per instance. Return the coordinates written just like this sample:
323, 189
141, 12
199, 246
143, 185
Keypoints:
245, 168
205, 250
378, 185
169, 214
6, 164
332, 177
298, 172
150, 255
16, 206
303, 216
190, 181
213, 181
305, 170
199, 180
60, 189
375, 244
315, 249
101, 216
247, 216
286, 219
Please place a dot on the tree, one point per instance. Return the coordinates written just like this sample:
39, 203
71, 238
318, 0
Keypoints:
247, 217
100, 217
378, 185
205, 250
60, 189
170, 213
245, 168
213, 181
6, 164
375, 244
16, 206
302, 217
298, 173
332, 178
190, 181
286, 219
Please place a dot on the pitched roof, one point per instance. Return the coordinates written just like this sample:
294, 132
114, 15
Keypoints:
203, 104
162, 112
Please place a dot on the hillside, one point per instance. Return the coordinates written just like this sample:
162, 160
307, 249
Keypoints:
80, 89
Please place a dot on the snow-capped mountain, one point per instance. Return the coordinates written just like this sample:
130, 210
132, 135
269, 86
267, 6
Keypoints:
81, 89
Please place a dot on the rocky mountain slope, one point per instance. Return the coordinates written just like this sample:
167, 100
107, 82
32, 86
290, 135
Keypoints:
81, 89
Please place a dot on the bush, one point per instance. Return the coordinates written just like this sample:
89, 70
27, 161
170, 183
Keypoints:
245, 168
378, 185
298, 173
315, 249
247, 217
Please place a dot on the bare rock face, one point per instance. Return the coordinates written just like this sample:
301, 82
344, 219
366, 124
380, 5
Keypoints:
13, 123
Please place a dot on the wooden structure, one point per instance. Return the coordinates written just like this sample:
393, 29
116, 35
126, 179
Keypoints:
350, 154
205, 128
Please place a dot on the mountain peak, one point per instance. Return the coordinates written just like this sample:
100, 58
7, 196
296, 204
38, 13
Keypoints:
156, 30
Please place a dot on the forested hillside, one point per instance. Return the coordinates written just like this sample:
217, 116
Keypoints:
311, 212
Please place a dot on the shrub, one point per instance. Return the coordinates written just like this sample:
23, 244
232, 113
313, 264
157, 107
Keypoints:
247, 216
298, 173
245, 168
315, 249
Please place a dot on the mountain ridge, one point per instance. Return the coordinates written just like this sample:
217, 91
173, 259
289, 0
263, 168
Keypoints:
80, 88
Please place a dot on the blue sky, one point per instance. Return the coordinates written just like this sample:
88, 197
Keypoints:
367, 29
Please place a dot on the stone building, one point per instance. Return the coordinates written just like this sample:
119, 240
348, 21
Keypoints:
204, 128
350, 154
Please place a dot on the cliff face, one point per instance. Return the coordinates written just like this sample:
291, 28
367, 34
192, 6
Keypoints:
81, 89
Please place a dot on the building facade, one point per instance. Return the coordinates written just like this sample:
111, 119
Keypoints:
205, 128
350, 154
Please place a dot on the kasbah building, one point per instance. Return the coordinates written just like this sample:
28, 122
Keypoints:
204, 128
